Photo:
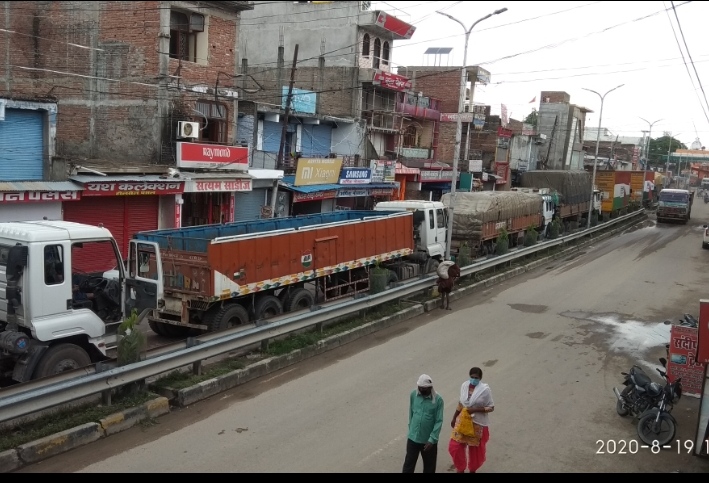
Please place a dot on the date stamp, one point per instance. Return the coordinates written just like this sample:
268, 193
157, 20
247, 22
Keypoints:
612, 446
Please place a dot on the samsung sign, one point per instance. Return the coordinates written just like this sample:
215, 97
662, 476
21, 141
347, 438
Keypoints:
356, 176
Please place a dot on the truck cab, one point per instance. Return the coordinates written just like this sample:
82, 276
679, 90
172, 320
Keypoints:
430, 224
674, 204
54, 316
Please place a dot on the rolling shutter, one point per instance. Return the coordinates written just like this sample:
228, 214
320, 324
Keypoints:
317, 140
30, 211
22, 145
272, 136
247, 206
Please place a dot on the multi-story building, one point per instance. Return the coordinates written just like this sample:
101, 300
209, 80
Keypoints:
562, 124
125, 98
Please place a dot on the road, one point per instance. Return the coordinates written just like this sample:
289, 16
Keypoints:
551, 344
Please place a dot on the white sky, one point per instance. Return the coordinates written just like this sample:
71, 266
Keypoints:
575, 53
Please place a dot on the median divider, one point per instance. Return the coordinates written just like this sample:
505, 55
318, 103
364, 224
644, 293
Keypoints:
88, 433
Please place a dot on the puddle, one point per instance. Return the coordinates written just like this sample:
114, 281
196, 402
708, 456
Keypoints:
631, 337
529, 309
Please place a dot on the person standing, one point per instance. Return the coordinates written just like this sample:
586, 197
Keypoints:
425, 423
476, 400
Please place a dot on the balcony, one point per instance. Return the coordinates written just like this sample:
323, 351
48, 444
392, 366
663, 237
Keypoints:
386, 25
420, 107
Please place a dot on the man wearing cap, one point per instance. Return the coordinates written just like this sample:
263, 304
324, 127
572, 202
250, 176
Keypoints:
425, 423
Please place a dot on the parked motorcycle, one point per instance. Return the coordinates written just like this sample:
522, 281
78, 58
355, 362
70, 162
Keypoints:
650, 403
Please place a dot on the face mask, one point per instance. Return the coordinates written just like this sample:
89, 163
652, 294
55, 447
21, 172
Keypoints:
474, 381
425, 392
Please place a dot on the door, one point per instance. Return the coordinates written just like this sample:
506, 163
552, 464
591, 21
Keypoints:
430, 235
144, 282
441, 228
56, 298
247, 205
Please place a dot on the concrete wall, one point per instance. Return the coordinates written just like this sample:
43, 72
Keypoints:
348, 139
112, 106
307, 25
554, 148
523, 153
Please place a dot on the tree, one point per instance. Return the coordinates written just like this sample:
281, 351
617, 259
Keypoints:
532, 118
657, 152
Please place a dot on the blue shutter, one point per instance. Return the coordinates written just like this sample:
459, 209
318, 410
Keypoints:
22, 145
317, 140
272, 136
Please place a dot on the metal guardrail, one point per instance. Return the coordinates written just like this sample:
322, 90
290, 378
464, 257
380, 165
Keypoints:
38, 395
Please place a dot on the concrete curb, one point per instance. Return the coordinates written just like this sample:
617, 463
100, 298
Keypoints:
205, 389
44, 448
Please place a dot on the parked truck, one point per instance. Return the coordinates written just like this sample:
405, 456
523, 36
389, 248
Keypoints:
54, 318
570, 189
222, 276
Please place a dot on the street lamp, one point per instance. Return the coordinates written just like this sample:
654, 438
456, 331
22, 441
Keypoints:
459, 124
669, 150
647, 154
595, 159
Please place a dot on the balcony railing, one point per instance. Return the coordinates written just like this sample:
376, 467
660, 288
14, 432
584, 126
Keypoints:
421, 110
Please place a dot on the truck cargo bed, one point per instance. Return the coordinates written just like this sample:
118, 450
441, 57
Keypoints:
223, 261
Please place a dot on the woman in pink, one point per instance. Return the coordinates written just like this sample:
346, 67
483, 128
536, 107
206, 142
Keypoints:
476, 399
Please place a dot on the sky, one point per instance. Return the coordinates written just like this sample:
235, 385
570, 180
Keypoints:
572, 46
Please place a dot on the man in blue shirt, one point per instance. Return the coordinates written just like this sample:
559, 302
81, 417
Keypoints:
425, 423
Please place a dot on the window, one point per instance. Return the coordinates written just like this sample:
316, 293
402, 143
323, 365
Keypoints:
184, 28
410, 138
213, 121
377, 52
4, 253
430, 219
385, 53
365, 45
440, 219
53, 265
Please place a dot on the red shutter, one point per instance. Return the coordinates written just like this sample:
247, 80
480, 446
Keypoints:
110, 212
141, 215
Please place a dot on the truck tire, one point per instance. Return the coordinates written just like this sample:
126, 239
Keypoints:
61, 358
267, 307
158, 328
431, 266
299, 299
228, 317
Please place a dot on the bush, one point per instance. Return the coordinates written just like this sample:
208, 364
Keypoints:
594, 218
464, 258
555, 229
573, 225
378, 278
503, 242
131, 340
530, 236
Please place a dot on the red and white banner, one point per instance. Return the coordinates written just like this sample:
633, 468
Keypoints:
317, 196
218, 185
212, 156
703, 333
392, 81
39, 196
682, 360
132, 188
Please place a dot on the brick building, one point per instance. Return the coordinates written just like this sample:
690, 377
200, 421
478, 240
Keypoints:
103, 94
563, 125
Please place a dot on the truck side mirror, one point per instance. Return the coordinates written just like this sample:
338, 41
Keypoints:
16, 260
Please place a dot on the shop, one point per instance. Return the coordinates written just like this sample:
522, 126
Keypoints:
435, 183
36, 200
257, 203
404, 175
125, 205
308, 200
363, 198
210, 198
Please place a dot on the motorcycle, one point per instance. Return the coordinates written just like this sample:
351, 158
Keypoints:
650, 403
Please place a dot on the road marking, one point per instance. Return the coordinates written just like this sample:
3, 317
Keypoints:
276, 377
380, 450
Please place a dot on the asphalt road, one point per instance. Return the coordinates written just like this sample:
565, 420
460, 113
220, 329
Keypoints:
551, 344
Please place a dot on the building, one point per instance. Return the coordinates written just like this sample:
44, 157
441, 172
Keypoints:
563, 125
343, 89
615, 150
137, 105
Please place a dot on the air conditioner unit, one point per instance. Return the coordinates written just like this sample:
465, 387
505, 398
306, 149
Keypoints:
187, 130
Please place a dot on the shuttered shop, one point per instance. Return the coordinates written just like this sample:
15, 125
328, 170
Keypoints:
247, 205
122, 216
21, 145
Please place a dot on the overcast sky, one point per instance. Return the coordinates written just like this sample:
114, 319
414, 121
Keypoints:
563, 46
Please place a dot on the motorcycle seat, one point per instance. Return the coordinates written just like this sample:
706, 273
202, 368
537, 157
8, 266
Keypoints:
654, 389
641, 379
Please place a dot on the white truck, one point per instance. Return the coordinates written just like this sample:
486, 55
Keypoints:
55, 318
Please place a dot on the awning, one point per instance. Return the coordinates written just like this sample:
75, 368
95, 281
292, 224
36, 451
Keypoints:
258, 173
288, 181
124, 185
46, 186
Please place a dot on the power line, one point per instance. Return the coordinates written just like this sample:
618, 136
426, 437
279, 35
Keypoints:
679, 25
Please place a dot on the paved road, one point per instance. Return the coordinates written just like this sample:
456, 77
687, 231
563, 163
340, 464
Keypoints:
551, 344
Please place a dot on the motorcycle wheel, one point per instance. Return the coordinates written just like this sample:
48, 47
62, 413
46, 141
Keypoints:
658, 436
620, 409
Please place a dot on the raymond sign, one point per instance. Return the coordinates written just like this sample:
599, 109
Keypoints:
392, 81
315, 171
212, 156
682, 361
39, 196
317, 196
124, 188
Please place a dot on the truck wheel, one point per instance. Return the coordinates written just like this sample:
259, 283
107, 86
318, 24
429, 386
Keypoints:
299, 299
61, 358
431, 266
158, 328
268, 307
228, 317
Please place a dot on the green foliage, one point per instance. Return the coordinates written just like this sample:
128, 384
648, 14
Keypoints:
555, 229
464, 258
503, 242
658, 149
530, 236
378, 278
573, 225
131, 340
532, 118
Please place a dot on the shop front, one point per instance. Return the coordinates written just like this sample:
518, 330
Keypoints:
309, 202
36, 200
210, 198
363, 198
125, 205
404, 175
435, 183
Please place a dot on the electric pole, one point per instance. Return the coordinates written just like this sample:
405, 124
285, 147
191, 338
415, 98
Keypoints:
289, 98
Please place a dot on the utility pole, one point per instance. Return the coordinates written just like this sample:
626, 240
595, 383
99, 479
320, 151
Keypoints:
647, 156
284, 132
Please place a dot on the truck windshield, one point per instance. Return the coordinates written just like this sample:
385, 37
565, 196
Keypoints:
674, 197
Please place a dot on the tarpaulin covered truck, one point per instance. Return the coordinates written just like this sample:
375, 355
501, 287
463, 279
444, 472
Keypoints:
479, 217
221, 276
571, 188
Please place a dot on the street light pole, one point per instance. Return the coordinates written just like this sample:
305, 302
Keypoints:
647, 155
595, 159
459, 122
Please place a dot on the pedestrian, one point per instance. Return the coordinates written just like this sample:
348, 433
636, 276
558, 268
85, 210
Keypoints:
474, 404
425, 423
